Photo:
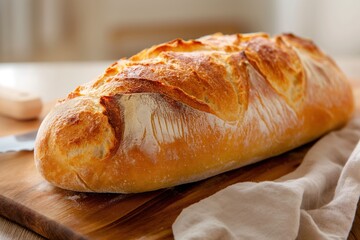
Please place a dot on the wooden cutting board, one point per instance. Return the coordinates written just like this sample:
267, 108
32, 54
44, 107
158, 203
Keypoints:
59, 214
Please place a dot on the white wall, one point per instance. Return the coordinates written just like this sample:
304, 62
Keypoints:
333, 24
44, 30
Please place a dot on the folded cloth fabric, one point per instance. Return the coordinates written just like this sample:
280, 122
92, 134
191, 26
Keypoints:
316, 201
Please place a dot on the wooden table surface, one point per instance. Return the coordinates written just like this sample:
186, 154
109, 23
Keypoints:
10, 230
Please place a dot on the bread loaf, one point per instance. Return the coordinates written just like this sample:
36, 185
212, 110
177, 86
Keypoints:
183, 111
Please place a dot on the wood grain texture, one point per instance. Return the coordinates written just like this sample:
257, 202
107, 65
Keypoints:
10, 230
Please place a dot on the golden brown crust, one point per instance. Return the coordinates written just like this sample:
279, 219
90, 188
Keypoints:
280, 65
186, 110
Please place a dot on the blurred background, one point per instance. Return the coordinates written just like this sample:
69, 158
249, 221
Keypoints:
93, 30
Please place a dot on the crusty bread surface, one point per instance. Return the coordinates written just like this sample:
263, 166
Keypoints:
183, 111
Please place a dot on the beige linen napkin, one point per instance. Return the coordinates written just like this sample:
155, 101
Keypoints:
316, 201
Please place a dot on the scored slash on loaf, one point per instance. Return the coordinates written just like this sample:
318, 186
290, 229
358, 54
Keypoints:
183, 111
